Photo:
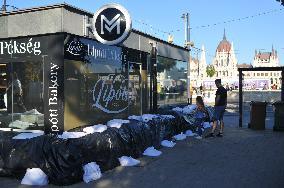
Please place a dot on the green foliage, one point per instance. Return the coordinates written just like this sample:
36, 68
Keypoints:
32, 71
210, 70
282, 2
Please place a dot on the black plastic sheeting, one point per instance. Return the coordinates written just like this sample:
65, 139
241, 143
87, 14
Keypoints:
62, 160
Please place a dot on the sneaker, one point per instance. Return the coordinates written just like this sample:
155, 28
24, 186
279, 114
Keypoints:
219, 135
198, 137
211, 135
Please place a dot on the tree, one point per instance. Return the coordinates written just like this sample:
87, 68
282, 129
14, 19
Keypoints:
165, 64
210, 70
282, 2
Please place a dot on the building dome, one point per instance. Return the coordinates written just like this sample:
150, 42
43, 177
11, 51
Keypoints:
224, 45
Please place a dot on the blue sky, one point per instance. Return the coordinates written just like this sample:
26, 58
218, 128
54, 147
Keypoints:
259, 32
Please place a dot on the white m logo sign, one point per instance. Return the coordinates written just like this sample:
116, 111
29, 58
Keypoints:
110, 24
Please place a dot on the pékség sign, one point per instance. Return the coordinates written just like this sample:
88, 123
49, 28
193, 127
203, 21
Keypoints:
112, 24
15, 47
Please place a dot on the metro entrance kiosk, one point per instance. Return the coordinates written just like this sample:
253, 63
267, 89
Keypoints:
67, 78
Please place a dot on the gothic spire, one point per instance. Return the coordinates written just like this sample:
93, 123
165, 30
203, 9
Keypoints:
224, 36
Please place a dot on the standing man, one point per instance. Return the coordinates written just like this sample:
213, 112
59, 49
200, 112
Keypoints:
219, 108
201, 89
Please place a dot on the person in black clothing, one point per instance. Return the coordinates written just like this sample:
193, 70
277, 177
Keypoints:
19, 106
201, 89
219, 108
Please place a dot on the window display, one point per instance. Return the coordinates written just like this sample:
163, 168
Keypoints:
101, 82
172, 81
21, 103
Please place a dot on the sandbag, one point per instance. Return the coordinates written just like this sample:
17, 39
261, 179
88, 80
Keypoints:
62, 159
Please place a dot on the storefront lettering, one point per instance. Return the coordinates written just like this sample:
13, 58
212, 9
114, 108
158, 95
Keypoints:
75, 48
52, 101
105, 53
110, 94
15, 47
85, 50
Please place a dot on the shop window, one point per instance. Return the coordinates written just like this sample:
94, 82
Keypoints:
172, 87
21, 95
101, 88
90, 88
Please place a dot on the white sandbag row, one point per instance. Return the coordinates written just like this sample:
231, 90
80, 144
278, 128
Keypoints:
116, 123
148, 117
207, 125
67, 135
168, 116
35, 176
186, 110
23, 136
92, 172
152, 152
167, 143
180, 136
95, 129
128, 161
190, 133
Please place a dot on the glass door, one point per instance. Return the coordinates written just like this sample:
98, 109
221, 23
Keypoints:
5, 118
134, 89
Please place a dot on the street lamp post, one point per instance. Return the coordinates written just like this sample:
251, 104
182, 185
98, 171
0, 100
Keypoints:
4, 6
187, 44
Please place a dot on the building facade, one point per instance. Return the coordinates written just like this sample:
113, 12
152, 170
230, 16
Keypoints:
225, 61
198, 69
267, 59
226, 66
56, 76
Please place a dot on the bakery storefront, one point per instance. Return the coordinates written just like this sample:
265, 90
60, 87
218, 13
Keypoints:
62, 80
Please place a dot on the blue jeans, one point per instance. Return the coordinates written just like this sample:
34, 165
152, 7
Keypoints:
199, 123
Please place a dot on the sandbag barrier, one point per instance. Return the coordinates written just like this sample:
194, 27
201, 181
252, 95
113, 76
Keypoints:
62, 160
